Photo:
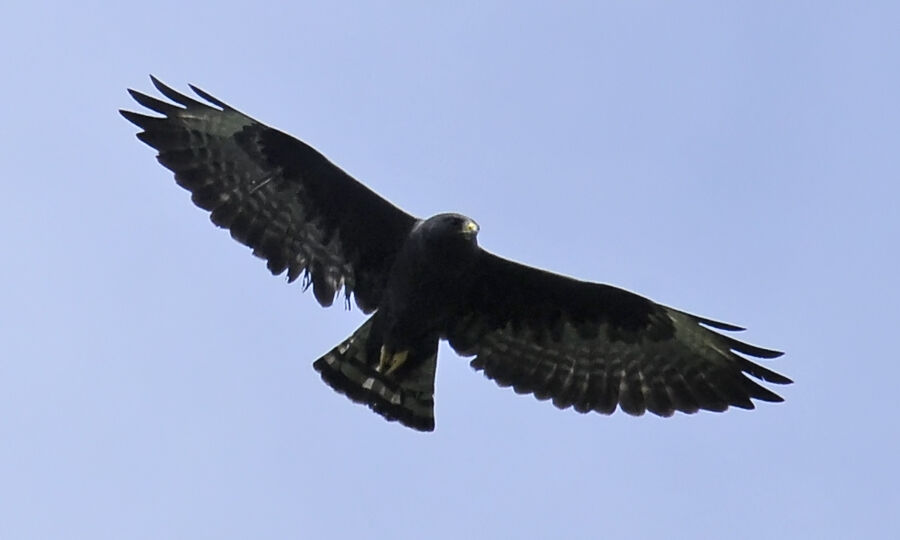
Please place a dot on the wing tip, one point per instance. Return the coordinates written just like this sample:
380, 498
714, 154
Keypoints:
131, 116
778, 378
140, 120
712, 323
753, 350
175, 95
719, 325
210, 98
764, 394
159, 85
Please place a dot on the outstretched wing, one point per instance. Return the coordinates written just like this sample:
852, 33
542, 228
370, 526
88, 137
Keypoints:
594, 347
277, 195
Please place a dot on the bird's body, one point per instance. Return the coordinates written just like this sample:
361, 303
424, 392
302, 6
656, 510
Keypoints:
439, 254
581, 344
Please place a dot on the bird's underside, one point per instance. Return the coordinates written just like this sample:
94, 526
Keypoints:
583, 345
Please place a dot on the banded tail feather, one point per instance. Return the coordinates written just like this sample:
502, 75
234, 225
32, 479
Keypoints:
405, 395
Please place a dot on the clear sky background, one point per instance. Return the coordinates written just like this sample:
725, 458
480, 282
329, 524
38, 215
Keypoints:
736, 160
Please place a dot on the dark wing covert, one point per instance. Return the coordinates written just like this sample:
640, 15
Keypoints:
277, 195
594, 346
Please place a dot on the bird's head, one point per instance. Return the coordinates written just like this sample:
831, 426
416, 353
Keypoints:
450, 227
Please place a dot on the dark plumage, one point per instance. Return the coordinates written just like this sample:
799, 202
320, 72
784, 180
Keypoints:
581, 344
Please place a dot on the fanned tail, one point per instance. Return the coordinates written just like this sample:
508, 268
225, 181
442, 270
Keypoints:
405, 395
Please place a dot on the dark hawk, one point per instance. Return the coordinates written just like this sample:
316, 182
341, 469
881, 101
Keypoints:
584, 345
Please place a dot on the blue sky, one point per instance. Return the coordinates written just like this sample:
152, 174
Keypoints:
734, 160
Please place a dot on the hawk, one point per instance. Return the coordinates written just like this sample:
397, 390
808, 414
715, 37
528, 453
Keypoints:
584, 345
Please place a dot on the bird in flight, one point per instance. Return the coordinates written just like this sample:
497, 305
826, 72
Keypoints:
584, 345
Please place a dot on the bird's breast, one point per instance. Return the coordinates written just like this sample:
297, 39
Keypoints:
425, 289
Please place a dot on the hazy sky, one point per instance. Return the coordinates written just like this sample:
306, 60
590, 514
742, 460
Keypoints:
735, 160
